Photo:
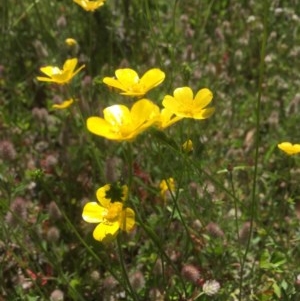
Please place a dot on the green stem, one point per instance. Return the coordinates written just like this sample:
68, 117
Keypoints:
158, 244
124, 272
92, 253
254, 201
236, 217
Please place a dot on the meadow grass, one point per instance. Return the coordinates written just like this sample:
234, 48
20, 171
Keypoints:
218, 220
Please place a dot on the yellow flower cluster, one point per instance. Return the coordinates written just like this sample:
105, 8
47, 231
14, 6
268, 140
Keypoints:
120, 123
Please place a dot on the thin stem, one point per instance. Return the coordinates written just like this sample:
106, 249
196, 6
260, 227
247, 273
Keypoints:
89, 249
157, 242
123, 268
254, 201
236, 217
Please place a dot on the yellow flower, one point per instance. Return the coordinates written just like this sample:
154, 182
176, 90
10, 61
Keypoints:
110, 214
128, 81
289, 148
60, 76
166, 119
121, 124
89, 5
70, 42
187, 146
166, 187
65, 104
183, 104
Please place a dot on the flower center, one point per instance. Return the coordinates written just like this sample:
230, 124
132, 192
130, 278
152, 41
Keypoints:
114, 211
137, 88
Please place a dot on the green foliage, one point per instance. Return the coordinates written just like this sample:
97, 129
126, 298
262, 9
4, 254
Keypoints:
233, 216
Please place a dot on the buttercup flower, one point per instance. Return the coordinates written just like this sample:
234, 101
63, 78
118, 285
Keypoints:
183, 103
187, 146
166, 119
60, 76
128, 81
166, 187
289, 148
89, 5
70, 42
120, 123
65, 104
109, 213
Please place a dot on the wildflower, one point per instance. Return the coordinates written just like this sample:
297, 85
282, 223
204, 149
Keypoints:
61, 22
40, 114
187, 146
53, 234
95, 276
57, 295
54, 212
166, 187
121, 124
65, 104
290, 149
70, 42
109, 212
166, 119
137, 280
60, 76
211, 287
40, 49
183, 104
7, 150
190, 273
89, 5
18, 212
214, 230
128, 81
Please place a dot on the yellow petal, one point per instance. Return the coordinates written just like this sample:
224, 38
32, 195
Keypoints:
93, 212
101, 194
101, 127
290, 149
127, 77
112, 82
79, 69
203, 114
70, 64
50, 70
152, 78
106, 232
169, 103
203, 98
65, 104
44, 79
167, 118
184, 94
89, 5
116, 114
127, 220
144, 109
